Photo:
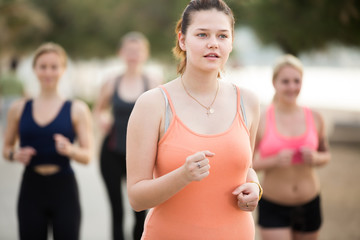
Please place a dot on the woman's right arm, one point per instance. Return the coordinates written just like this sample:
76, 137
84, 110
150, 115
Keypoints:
144, 128
102, 104
11, 135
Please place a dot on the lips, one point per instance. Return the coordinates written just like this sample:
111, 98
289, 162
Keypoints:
212, 55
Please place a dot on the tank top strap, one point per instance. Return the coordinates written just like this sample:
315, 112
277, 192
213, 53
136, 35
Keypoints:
28, 107
27, 111
116, 85
67, 106
270, 114
240, 106
310, 122
168, 99
169, 107
146, 83
270, 120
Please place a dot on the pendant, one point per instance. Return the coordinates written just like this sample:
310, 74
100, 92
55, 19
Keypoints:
210, 111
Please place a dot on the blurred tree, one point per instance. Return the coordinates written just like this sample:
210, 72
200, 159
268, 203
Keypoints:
22, 25
302, 25
89, 28
93, 29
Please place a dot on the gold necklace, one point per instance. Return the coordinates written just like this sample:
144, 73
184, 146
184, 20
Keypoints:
209, 109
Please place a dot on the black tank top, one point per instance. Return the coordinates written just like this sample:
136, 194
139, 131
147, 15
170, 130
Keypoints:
121, 112
41, 138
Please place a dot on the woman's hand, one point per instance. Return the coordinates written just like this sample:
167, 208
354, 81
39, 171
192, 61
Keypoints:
247, 196
284, 158
308, 155
24, 155
197, 166
63, 145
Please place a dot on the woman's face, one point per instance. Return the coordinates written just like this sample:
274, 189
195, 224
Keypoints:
49, 67
287, 84
208, 41
134, 52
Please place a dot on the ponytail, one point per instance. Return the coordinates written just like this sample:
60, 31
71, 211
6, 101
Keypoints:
178, 52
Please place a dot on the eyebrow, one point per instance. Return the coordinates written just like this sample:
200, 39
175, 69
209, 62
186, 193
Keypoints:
206, 29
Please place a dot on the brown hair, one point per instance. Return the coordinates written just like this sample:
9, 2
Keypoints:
185, 20
48, 48
287, 60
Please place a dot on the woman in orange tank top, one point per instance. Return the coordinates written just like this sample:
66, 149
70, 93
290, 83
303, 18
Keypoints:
290, 143
190, 163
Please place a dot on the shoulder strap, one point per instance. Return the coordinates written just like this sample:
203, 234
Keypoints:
28, 105
146, 82
117, 82
27, 111
240, 104
167, 108
243, 110
310, 121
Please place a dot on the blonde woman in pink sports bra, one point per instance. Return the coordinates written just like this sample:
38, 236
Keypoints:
290, 144
190, 142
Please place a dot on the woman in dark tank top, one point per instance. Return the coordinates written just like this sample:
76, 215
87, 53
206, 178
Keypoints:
120, 93
47, 126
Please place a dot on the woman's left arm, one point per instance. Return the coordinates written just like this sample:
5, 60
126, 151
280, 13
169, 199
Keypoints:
82, 122
249, 193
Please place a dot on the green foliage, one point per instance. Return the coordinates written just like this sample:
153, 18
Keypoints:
302, 25
92, 28
89, 28
22, 25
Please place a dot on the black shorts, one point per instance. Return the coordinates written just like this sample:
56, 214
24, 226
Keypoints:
303, 218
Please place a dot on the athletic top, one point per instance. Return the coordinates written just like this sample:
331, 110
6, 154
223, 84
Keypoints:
273, 142
121, 112
204, 210
41, 138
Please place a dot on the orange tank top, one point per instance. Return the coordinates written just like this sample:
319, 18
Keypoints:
204, 210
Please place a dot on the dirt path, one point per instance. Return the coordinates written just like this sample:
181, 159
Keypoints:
341, 194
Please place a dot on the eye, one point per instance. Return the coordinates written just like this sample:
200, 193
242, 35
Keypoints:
223, 36
285, 81
297, 81
202, 35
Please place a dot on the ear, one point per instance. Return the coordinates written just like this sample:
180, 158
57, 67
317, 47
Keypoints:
181, 39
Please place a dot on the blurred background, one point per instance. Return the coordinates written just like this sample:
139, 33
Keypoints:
324, 34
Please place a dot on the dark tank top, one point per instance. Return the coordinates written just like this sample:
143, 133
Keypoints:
41, 138
121, 112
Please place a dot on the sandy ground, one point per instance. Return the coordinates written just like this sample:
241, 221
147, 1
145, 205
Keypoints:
340, 198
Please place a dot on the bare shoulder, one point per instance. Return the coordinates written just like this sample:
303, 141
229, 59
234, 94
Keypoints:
318, 119
17, 107
149, 107
79, 107
108, 84
317, 116
251, 101
152, 98
249, 96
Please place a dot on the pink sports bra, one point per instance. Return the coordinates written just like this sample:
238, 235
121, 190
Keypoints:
273, 142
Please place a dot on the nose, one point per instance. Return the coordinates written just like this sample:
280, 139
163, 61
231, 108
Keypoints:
213, 43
